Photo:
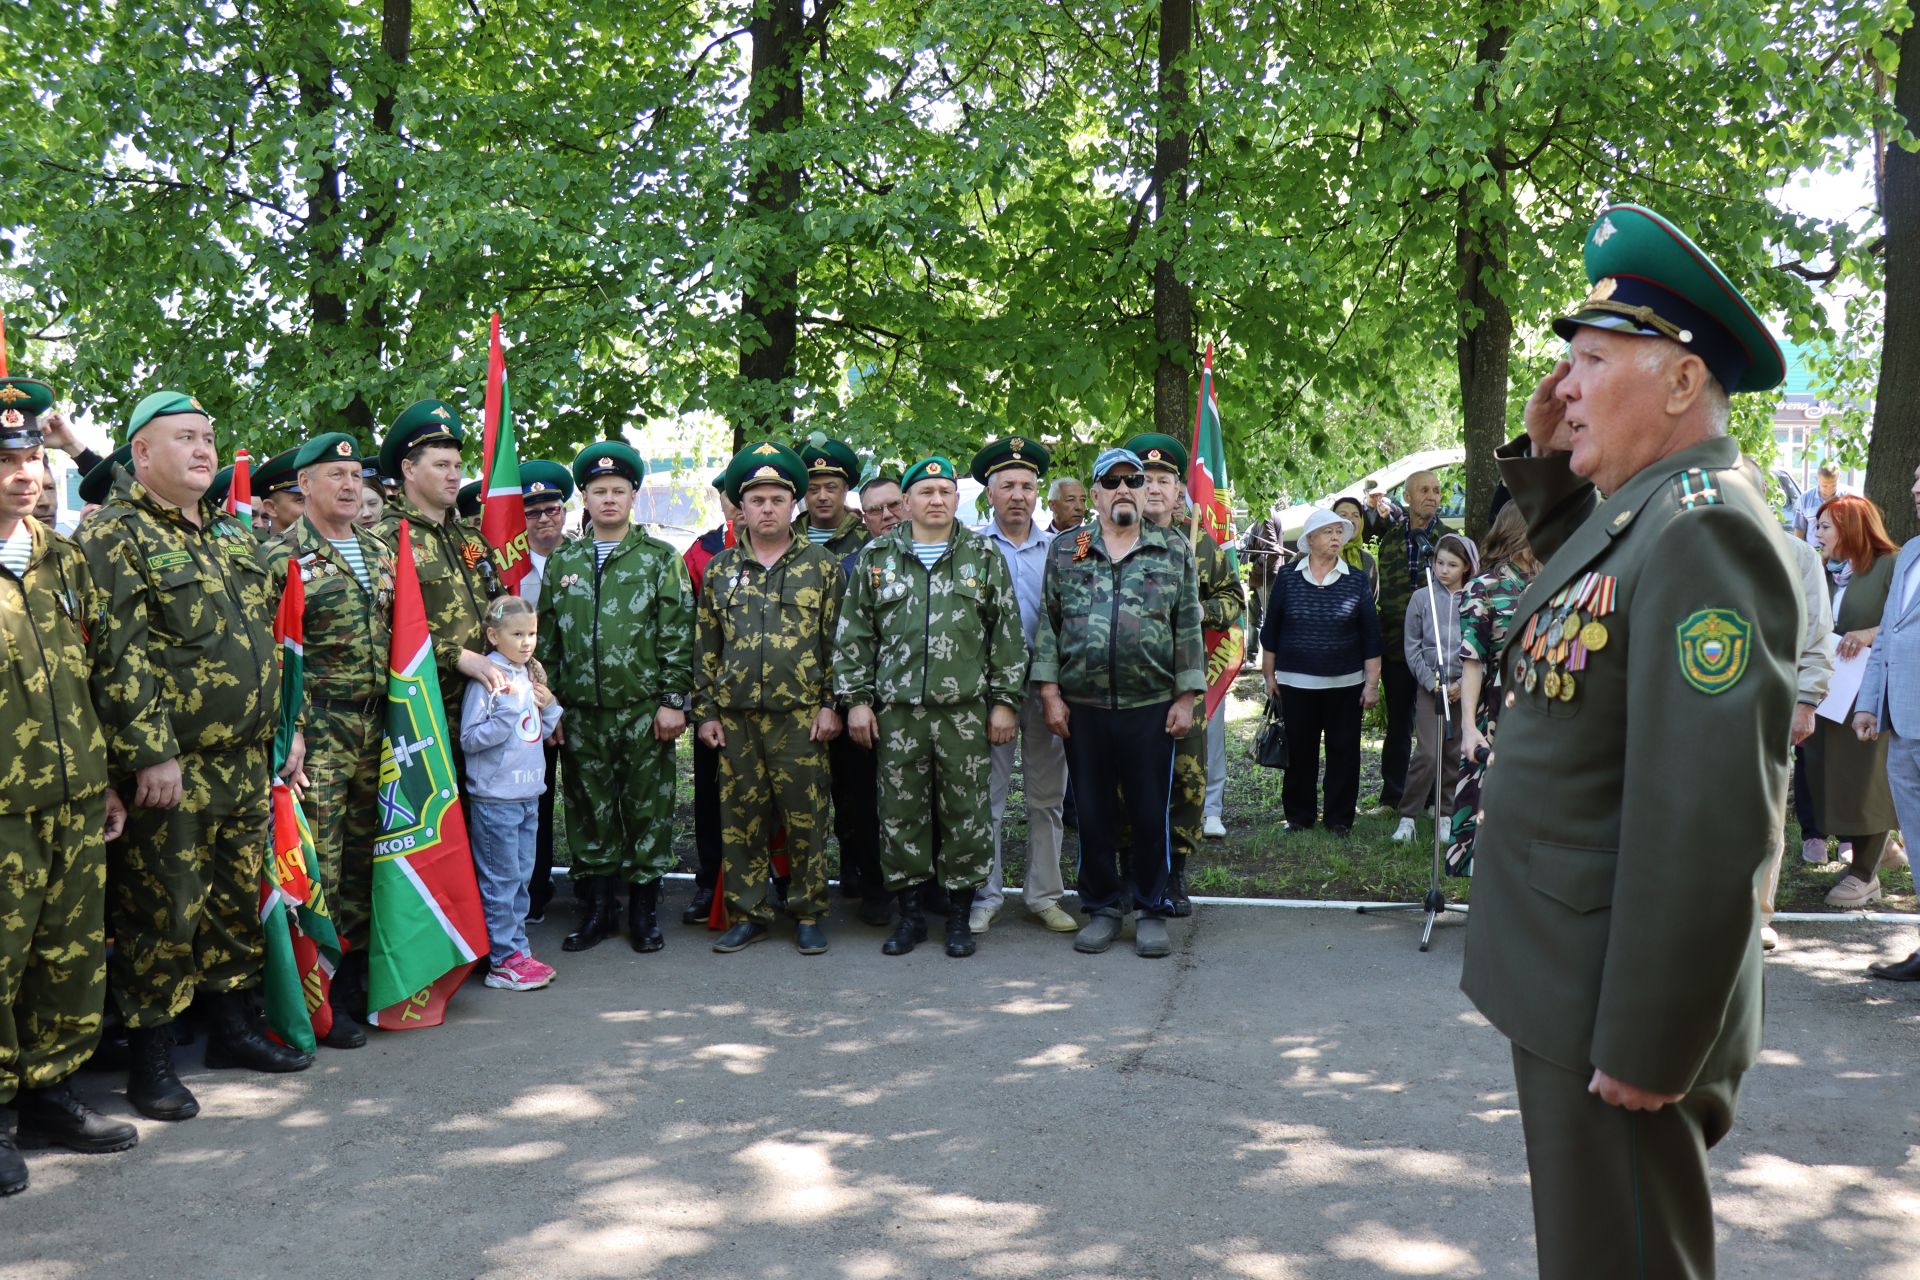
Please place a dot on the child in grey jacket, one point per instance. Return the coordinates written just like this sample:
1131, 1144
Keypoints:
502, 734
1436, 675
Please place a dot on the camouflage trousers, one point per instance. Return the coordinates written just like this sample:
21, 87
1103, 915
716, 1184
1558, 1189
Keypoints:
936, 767
1188, 798
342, 805
53, 942
771, 774
619, 784
183, 889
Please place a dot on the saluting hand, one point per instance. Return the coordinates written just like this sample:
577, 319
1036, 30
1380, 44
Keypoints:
1546, 414
1618, 1093
116, 815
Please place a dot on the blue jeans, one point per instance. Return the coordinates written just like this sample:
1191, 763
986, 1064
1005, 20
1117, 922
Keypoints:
504, 834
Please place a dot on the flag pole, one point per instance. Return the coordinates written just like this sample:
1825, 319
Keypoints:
1193, 449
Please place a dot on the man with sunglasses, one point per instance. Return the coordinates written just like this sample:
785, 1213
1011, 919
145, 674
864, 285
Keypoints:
1118, 663
545, 488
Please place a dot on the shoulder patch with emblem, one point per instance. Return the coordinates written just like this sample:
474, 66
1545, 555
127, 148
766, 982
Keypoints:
1714, 646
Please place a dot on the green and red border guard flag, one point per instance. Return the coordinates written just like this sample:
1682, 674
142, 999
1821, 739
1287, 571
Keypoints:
240, 488
503, 507
1209, 493
428, 926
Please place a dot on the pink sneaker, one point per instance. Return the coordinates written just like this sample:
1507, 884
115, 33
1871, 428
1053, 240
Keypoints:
531, 968
509, 976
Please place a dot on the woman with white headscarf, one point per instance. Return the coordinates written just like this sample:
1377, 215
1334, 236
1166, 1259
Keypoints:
1320, 643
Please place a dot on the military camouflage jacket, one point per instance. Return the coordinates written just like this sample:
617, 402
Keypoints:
763, 640
1120, 635
943, 637
1223, 602
349, 629
195, 601
620, 635
849, 537
457, 579
53, 619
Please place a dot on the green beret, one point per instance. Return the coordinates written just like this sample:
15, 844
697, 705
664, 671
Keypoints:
764, 462
1161, 451
98, 482
222, 481
1014, 451
422, 422
542, 481
22, 401
466, 504
936, 467
824, 457
608, 458
277, 475
1649, 279
334, 446
159, 405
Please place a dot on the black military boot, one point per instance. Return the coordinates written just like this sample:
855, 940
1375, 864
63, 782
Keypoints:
341, 995
912, 928
643, 900
600, 919
700, 908
934, 900
55, 1117
13, 1169
152, 1087
239, 1039
960, 942
1177, 887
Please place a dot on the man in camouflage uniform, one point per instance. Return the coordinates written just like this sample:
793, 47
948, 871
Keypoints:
1119, 662
349, 630
833, 468
190, 721
457, 576
930, 639
764, 668
56, 812
616, 638
1222, 603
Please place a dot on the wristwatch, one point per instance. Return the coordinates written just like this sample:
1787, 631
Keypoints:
674, 701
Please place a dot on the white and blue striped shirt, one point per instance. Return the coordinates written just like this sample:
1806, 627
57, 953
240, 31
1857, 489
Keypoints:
349, 549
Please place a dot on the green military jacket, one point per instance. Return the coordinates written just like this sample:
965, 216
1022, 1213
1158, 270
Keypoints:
54, 621
620, 634
1120, 635
349, 628
848, 537
763, 640
1223, 601
1626, 819
196, 602
948, 636
457, 579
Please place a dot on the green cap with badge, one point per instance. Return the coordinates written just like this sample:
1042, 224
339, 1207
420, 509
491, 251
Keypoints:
825, 457
277, 475
608, 458
936, 467
1650, 280
466, 504
162, 404
1159, 452
543, 482
98, 482
1014, 451
22, 401
422, 422
764, 462
333, 446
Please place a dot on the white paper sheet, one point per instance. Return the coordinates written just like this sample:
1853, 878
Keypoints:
1844, 687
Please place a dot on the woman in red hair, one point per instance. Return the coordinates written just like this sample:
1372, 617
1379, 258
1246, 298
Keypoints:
1848, 777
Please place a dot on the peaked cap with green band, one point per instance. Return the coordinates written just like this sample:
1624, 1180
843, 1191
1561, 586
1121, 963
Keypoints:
824, 457
162, 404
1159, 452
22, 401
422, 422
333, 446
222, 481
466, 503
277, 474
1649, 279
936, 467
98, 482
764, 462
1014, 451
543, 481
608, 458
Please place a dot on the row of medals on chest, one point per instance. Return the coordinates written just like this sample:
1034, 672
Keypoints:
1560, 637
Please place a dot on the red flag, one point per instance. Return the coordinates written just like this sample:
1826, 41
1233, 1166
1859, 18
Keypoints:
240, 488
1206, 490
503, 510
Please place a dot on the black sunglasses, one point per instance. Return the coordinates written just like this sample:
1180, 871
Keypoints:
1133, 481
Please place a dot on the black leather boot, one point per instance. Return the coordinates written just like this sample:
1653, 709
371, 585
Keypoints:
152, 1087
345, 1033
239, 1039
55, 1117
700, 907
1177, 887
13, 1169
643, 900
601, 918
912, 928
960, 942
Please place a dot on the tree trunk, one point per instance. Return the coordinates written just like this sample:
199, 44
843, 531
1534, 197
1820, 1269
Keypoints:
1172, 301
1485, 341
769, 303
325, 233
1895, 450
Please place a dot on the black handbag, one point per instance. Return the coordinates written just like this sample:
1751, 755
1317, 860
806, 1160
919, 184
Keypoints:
1270, 744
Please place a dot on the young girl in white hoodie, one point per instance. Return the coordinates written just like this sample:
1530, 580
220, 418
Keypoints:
502, 734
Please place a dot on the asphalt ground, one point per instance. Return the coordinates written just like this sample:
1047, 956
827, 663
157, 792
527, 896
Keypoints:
1292, 1094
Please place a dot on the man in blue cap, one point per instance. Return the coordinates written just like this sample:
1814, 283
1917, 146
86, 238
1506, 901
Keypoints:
1639, 772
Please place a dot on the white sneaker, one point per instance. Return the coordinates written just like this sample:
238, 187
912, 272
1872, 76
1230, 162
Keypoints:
1852, 891
1214, 829
1896, 854
1768, 938
1446, 830
1403, 832
980, 919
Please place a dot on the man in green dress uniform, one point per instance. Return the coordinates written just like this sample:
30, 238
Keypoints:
1637, 786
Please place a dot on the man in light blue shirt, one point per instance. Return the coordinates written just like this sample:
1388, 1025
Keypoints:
1011, 470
